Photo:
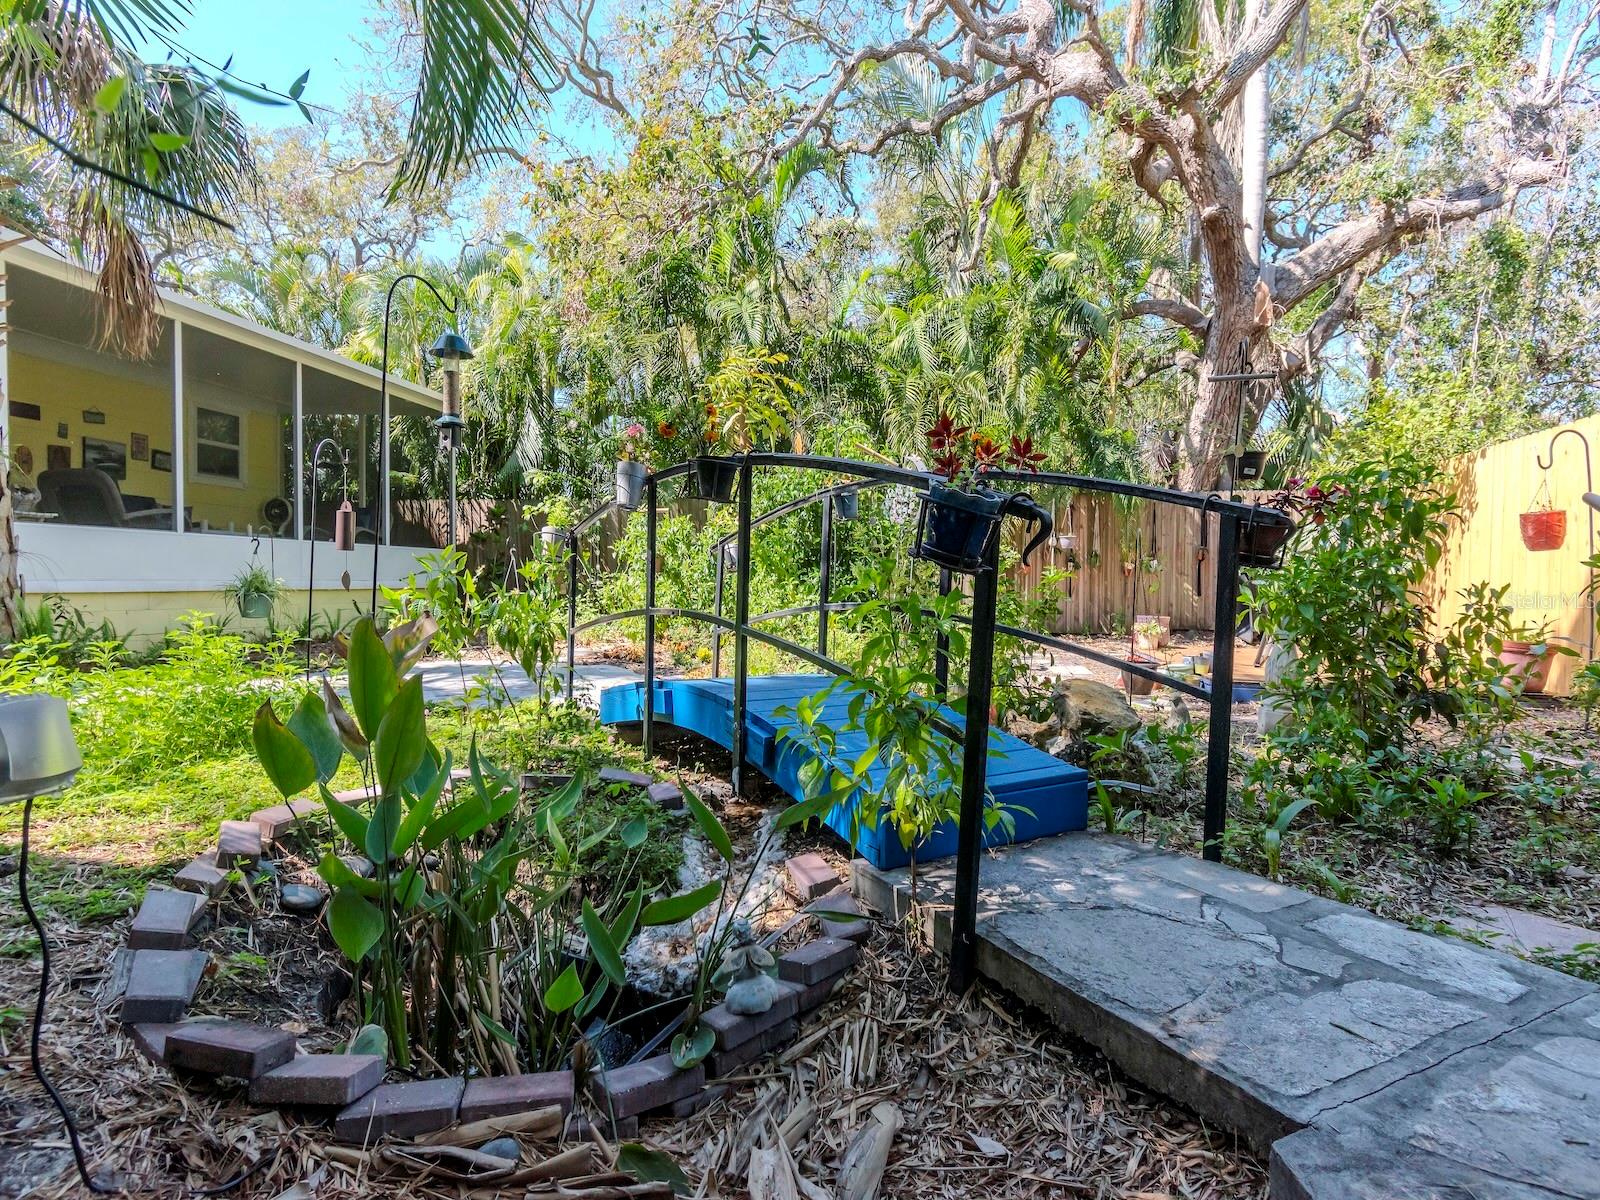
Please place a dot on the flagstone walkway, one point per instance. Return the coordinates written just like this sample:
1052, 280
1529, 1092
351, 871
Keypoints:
1375, 1062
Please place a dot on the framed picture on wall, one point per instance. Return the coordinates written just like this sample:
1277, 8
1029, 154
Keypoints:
161, 460
107, 456
58, 458
139, 446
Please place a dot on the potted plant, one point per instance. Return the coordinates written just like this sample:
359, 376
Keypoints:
631, 469
254, 592
751, 395
1148, 633
1526, 654
847, 506
557, 516
1252, 463
960, 517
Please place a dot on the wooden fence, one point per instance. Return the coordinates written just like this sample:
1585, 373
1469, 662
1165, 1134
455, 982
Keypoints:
1173, 573
1494, 487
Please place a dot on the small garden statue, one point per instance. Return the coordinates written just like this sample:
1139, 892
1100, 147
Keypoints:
746, 968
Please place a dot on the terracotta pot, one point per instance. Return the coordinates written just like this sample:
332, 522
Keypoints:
1137, 684
1524, 669
1545, 529
1161, 619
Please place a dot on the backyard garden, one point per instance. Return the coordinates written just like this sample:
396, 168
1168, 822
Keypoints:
938, 602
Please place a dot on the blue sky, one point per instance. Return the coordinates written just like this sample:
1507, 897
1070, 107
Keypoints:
273, 41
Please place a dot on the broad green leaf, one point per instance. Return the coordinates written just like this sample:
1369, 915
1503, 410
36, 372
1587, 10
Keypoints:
299, 85
709, 825
369, 1039
412, 825
337, 874
422, 779
565, 991
498, 1030
622, 928
634, 833
111, 93
167, 143
309, 722
355, 922
373, 683
402, 737
602, 947
689, 1049
342, 723
350, 823
283, 756
672, 909
651, 1166
382, 828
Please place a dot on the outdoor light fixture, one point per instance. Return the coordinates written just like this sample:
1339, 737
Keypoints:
39, 757
451, 350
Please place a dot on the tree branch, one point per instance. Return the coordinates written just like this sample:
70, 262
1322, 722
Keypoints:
1180, 312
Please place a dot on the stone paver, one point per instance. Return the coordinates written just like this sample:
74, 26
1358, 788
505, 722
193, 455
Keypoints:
833, 912
639, 1087
810, 876
238, 844
238, 1049
160, 985
735, 1029
166, 920
506, 1095
1525, 932
624, 776
1380, 1061
319, 1080
203, 875
401, 1109
278, 820
726, 1062
818, 960
667, 794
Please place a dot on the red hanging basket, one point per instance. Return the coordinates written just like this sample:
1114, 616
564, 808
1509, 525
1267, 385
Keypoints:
1544, 529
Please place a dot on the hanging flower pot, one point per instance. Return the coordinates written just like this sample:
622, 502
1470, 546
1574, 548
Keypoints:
1161, 631
957, 528
1544, 529
716, 478
1252, 464
553, 535
1067, 543
255, 606
630, 483
1262, 544
847, 505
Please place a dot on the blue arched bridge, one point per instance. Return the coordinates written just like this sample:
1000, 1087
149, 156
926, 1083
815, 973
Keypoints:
959, 532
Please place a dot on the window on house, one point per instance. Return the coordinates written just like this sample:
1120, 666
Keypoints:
218, 443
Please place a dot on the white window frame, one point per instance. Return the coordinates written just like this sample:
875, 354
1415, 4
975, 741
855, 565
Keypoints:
241, 414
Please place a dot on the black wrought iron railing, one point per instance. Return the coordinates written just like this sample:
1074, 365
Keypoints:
1232, 517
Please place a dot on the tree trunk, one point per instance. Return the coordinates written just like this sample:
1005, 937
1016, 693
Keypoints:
1214, 418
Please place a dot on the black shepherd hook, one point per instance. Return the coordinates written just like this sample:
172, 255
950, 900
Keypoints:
1026, 508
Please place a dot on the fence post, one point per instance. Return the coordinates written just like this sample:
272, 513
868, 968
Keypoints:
1220, 735
741, 617
649, 706
941, 645
825, 576
974, 773
572, 611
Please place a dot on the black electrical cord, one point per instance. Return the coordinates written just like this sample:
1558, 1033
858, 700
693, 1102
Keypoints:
78, 1157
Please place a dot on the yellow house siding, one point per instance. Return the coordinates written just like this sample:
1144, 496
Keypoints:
144, 617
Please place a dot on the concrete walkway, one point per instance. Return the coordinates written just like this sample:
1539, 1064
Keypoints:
1375, 1062
443, 680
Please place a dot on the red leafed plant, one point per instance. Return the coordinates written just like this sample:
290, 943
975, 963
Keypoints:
962, 454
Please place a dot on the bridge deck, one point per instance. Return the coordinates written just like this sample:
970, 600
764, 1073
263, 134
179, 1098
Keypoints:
1044, 795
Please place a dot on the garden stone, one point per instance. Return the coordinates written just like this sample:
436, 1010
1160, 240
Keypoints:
166, 920
625, 776
238, 844
278, 820
503, 1147
238, 1049
203, 876
508, 1095
300, 898
359, 863
401, 1110
1035, 733
161, 984
666, 794
818, 960
1087, 706
319, 1080
726, 1062
151, 1040
810, 876
1526, 932
639, 1087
